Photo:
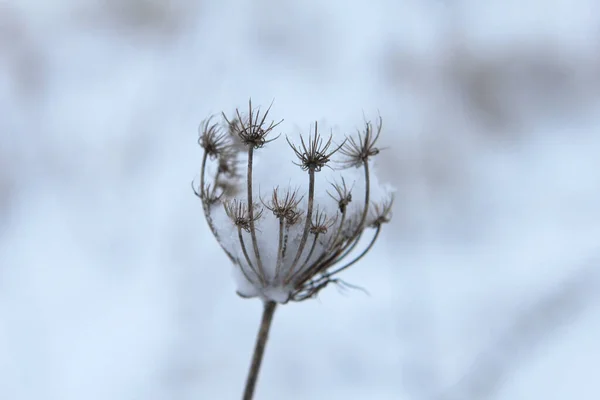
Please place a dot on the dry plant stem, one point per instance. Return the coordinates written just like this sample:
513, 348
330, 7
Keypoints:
309, 211
251, 216
202, 173
306, 267
237, 260
259, 349
311, 251
367, 198
280, 247
286, 236
334, 242
359, 230
205, 206
353, 241
241, 239
361, 255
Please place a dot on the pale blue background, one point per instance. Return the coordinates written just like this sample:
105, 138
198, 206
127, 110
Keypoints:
485, 286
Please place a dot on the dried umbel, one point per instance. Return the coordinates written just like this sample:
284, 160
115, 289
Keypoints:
288, 245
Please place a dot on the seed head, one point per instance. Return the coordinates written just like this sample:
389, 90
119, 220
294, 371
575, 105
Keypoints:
357, 151
253, 129
239, 213
343, 195
295, 250
285, 207
211, 139
316, 154
320, 223
382, 212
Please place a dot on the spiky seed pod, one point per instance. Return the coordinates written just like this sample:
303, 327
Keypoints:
321, 224
286, 206
343, 195
253, 129
238, 211
382, 212
211, 139
357, 151
315, 155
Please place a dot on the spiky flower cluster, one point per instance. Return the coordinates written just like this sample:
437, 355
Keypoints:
300, 245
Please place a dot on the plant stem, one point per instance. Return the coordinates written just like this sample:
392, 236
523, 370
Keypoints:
251, 214
259, 349
309, 211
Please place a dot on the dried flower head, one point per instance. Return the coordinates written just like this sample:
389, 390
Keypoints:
343, 195
382, 212
357, 151
321, 224
211, 139
310, 234
317, 154
285, 207
252, 129
238, 211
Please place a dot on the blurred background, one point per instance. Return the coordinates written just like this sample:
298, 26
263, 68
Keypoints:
486, 285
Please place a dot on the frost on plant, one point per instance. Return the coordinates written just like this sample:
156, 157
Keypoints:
290, 241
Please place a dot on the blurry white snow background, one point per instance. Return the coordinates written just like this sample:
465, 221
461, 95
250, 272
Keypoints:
486, 285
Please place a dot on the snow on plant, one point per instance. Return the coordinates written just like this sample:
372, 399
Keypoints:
291, 242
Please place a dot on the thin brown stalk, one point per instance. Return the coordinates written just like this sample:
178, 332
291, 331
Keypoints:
306, 267
333, 241
251, 215
361, 255
202, 177
361, 225
259, 349
286, 236
351, 244
311, 251
206, 207
280, 248
309, 211
241, 239
244, 272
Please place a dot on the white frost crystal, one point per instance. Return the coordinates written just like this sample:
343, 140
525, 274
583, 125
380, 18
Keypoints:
283, 213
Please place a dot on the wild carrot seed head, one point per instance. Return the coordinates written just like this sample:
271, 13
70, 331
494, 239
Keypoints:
312, 232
